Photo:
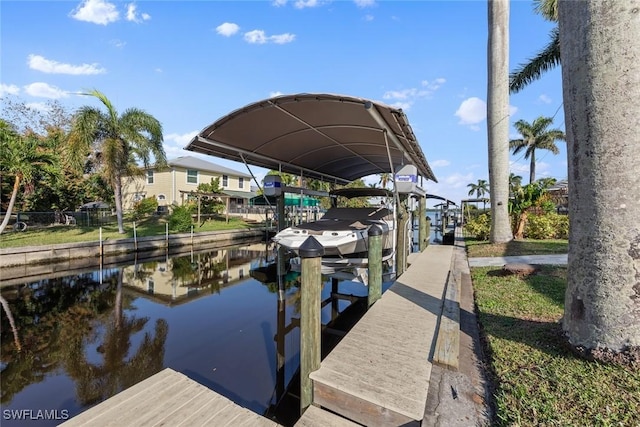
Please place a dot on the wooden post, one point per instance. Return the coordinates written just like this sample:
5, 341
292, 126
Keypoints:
403, 243
375, 264
280, 209
423, 233
166, 234
311, 252
335, 303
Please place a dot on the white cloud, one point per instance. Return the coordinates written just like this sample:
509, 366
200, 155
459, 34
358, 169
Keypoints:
402, 94
117, 43
512, 110
38, 106
471, 112
407, 97
368, 17
282, 38
278, 3
301, 4
255, 37
544, 99
259, 37
434, 85
96, 11
364, 3
40, 63
402, 105
134, 16
274, 94
8, 89
181, 139
44, 90
227, 29
440, 163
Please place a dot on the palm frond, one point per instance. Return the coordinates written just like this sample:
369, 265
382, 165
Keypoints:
544, 61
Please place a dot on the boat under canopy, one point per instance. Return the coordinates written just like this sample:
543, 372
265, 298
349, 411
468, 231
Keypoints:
336, 138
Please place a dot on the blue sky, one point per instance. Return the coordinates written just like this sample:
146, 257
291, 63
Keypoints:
189, 63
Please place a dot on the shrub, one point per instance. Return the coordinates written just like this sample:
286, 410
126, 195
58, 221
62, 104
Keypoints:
180, 219
547, 226
145, 207
479, 227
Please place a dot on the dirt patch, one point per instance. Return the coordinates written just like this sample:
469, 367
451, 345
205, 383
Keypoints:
629, 357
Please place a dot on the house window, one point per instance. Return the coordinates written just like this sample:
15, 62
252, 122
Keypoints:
162, 197
138, 196
149, 177
240, 182
225, 180
192, 176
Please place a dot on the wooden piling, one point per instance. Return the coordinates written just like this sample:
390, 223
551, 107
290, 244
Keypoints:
311, 252
402, 251
375, 264
423, 232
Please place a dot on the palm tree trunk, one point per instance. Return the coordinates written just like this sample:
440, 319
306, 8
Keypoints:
117, 193
14, 196
14, 329
532, 167
601, 80
498, 119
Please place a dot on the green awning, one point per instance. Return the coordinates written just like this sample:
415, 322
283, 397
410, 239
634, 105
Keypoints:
289, 200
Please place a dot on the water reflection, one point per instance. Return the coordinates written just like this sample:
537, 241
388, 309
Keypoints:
217, 316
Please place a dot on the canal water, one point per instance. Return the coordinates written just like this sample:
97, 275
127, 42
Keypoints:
215, 316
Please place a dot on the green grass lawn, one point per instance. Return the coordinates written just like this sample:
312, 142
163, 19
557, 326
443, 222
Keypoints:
482, 248
73, 234
538, 380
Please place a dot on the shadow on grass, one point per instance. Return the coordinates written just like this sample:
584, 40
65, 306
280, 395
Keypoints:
548, 281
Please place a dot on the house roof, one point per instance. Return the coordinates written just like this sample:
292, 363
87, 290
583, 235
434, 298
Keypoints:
190, 162
325, 136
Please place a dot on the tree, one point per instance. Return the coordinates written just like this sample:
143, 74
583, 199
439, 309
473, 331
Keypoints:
498, 119
545, 60
535, 136
119, 142
515, 182
480, 189
385, 179
22, 158
600, 73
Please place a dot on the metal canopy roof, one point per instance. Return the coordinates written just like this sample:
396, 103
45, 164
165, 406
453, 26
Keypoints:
322, 136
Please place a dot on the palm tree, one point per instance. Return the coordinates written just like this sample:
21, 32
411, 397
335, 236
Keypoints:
600, 69
119, 140
385, 179
535, 136
515, 182
23, 157
480, 189
545, 60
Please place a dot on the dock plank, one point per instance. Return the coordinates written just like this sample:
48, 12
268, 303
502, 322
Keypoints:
447, 350
379, 373
168, 398
317, 417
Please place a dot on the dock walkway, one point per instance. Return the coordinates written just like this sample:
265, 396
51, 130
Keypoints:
379, 373
168, 398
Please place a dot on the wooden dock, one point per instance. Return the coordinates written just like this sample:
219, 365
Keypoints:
168, 398
379, 373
